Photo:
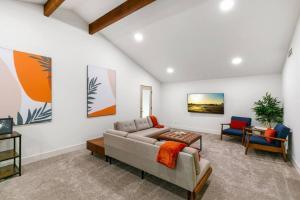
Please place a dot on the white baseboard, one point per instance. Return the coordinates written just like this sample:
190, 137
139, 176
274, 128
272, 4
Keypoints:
296, 165
45, 155
196, 129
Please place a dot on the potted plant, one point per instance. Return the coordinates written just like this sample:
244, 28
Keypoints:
268, 110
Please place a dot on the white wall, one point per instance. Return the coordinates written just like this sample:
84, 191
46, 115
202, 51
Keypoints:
240, 94
291, 94
24, 28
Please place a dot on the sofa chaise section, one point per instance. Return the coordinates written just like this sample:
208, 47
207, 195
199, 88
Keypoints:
140, 152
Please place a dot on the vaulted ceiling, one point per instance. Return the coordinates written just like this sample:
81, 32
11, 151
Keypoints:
197, 39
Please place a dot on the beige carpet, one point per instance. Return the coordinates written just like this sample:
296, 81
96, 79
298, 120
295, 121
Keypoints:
80, 176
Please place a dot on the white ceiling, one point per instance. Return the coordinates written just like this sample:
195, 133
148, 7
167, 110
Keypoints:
197, 39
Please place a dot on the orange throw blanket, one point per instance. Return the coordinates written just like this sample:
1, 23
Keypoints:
168, 153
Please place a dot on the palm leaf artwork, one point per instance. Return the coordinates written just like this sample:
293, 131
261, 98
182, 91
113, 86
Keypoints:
38, 115
92, 90
45, 63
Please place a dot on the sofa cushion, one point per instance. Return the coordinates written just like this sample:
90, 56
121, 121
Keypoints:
195, 154
127, 126
150, 122
142, 139
231, 131
141, 124
159, 143
116, 132
261, 140
152, 132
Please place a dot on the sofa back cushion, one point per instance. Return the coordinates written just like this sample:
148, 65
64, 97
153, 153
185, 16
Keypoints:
118, 133
282, 131
196, 156
127, 126
142, 139
141, 124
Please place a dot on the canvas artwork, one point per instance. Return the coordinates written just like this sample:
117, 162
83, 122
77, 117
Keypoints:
6, 125
101, 92
25, 87
206, 103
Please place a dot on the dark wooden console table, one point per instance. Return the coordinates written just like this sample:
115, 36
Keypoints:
12, 154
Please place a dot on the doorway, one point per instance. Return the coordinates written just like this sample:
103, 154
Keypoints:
146, 101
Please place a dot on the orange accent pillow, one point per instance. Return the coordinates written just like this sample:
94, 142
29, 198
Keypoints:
168, 153
154, 120
270, 133
159, 126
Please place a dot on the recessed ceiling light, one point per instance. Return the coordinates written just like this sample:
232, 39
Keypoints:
170, 70
226, 5
237, 60
138, 37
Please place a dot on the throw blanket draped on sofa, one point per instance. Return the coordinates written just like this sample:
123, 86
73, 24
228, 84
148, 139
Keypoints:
168, 153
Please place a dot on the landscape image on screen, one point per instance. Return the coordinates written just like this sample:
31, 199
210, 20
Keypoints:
206, 103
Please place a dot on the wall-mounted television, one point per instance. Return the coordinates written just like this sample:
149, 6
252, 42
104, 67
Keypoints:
206, 103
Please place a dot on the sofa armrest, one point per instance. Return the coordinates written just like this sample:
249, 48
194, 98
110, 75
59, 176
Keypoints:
273, 138
119, 133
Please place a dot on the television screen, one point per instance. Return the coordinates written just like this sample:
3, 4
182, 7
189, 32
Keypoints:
206, 103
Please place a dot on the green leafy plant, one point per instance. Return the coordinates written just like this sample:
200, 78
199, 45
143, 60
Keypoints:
39, 115
268, 110
92, 90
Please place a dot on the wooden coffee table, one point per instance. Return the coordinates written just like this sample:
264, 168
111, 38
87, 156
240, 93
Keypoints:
188, 138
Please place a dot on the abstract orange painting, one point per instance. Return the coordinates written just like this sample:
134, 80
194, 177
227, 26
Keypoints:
101, 92
25, 87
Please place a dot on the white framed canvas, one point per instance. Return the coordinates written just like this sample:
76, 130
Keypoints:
101, 91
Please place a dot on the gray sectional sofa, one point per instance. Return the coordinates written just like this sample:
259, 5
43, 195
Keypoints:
133, 142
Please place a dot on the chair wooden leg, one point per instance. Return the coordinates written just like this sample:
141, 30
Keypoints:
283, 152
247, 142
246, 151
221, 135
190, 195
243, 138
247, 147
221, 132
142, 174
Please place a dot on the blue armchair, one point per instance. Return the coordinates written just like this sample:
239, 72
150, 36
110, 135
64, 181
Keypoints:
259, 141
240, 133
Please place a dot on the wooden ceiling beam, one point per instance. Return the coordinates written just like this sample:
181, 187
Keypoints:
51, 6
117, 13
